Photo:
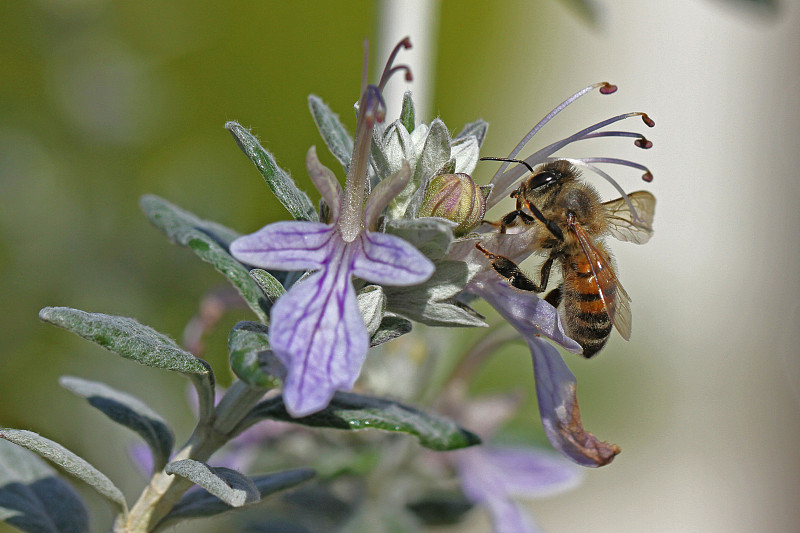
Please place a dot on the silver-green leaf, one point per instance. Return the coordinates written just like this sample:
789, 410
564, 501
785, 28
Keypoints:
230, 486
333, 133
353, 411
130, 339
34, 498
279, 181
67, 461
210, 242
128, 411
200, 503
251, 358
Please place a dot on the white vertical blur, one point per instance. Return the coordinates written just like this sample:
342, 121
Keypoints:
417, 19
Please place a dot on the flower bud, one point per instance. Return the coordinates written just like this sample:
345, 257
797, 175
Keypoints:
457, 198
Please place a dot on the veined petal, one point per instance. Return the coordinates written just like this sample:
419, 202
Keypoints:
531, 473
529, 314
290, 245
558, 408
388, 260
318, 334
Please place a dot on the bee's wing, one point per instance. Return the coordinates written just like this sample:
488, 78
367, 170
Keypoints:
615, 299
624, 225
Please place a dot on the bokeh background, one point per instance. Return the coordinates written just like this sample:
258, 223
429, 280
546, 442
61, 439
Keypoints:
103, 101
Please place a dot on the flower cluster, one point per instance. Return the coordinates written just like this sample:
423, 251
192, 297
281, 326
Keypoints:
403, 242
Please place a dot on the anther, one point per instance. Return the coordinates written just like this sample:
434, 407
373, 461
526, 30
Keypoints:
643, 142
647, 120
647, 176
607, 88
388, 70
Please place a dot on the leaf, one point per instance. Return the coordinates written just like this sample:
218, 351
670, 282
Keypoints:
280, 183
230, 486
333, 133
353, 411
198, 502
433, 302
34, 499
392, 326
130, 339
435, 154
210, 241
251, 359
431, 236
477, 129
129, 411
372, 304
407, 117
67, 461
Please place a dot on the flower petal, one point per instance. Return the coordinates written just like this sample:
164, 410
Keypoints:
326, 183
529, 314
558, 408
389, 260
318, 334
484, 485
384, 193
286, 246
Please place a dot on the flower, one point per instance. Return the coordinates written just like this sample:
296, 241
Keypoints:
494, 477
524, 310
316, 328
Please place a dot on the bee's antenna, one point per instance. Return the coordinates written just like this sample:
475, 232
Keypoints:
508, 160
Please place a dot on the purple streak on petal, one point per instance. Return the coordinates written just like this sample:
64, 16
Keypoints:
559, 411
389, 260
318, 334
529, 314
291, 245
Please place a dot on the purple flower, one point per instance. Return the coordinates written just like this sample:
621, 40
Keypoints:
493, 477
316, 329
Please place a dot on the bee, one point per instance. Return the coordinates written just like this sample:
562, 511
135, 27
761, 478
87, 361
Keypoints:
590, 298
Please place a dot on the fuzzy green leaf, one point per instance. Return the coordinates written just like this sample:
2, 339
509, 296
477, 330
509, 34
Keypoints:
130, 339
67, 461
34, 498
230, 486
333, 133
210, 242
476, 129
280, 182
200, 503
128, 411
353, 411
251, 359
268, 283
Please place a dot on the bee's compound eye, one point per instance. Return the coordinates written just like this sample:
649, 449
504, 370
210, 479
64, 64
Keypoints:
543, 178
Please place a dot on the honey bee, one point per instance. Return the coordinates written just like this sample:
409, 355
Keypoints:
590, 298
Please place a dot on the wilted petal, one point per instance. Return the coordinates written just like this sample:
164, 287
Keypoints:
529, 314
558, 408
389, 260
318, 334
291, 245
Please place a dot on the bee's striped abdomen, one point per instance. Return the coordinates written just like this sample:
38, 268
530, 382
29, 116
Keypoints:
587, 319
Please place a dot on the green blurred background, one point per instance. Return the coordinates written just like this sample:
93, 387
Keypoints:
101, 102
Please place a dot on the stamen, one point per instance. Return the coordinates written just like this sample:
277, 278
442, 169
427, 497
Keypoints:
388, 71
614, 161
502, 183
605, 88
641, 141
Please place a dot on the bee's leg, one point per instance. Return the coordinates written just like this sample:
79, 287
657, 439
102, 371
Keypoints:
554, 297
507, 221
509, 270
551, 226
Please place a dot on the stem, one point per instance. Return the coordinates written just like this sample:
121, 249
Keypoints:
164, 490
